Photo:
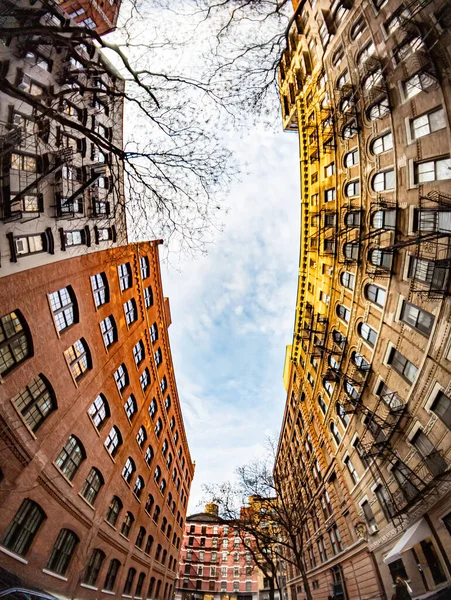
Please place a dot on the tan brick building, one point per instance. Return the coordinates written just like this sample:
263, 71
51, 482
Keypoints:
368, 414
95, 464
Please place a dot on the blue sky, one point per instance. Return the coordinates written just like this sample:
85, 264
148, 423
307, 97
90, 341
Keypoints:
233, 312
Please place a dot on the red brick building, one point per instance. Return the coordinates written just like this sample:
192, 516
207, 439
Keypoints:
214, 563
100, 15
95, 465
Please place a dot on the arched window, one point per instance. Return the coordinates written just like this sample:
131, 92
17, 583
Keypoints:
157, 474
382, 143
110, 579
384, 219
352, 188
378, 109
351, 251
99, 411
62, 552
381, 258
130, 311
139, 485
167, 403
169, 462
95, 564
375, 294
141, 436
158, 356
64, 307
121, 377
109, 331
113, 510
163, 384
351, 158
100, 289
372, 80
156, 513
343, 312
163, 524
339, 11
162, 485
338, 338
92, 485
153, 409
333, 363
15, 341
353, 218
335, 433
70, 457
124, 272
360, 362
169, 499
347, 280
350, 390
151, 587
35, 402
158, 427
149, 503
78, 358
113, 440
164, 447
140, 537
148, 455
367, 333
328, 386
139, 585
149, 544
337, 56
144, 379
129, 469
322, 404
148, 297
176, 437
172, 423
127, 524
130, 407
129, 581
342, 79
349, 130
139, 352
154, 333
358, 28
384, 181
145, 268
21, 531
365, 53
342, 414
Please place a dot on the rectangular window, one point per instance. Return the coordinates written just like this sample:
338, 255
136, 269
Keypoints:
417, 83
329, 170
402, 366
417, 318
24, 162
368, 512
351, 469
29, 244
385, 501
428, 123
329, 195
437, 169
442, 408
432, 457
75, 237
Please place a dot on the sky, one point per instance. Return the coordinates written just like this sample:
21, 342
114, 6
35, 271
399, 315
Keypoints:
233, 311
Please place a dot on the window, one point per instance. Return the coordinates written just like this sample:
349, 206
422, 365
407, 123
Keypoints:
368, 512
367, 333
94, 565
372, 80
154, 333
21, 531
139, 585
113, 510
64, 308
442, 408
110, 579
419, 82
343, 313
121, 377
149, 544
157, 474
109, 331
432, 457
430, 220
35, 402
74, 237
342, 80
113, 441
158, 427
402, 366
335, 433
382, 144
153, 408
158, 355
379, 109
347, 280
24, 162
353, 219
351, 251
367, 52
428, 123
335, 540
141, 436
62, 552
342, 414
329, 169
352, 188
167, 403
432, 170
426, 271
403, 477
351, 470
322, 549
138, 487
337, 56
145, 269
381, 258
70, 457
129, 581
384, 219
92, 485
351, 158
329, 195
100, 289
15, 342
125, 276
139, 352
358, 28
383, 181
385, 501
148, 297
130, 311
130, 407
144, 379
148, 455
78, 358
129, 469
375, 294
417, 318
149, 503
163, 384
127, 524
360, 362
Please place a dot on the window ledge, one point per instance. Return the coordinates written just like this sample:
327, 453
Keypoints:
108, 592
126, 596
55, 575
88, 587
125, 538
13, 555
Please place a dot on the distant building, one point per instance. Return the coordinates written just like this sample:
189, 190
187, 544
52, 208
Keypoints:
95, 468
100, 15
368, 411
214, 565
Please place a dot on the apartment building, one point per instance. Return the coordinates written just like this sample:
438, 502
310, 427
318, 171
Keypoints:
214, 563
100, 15
366, 86
61, 117
95, 468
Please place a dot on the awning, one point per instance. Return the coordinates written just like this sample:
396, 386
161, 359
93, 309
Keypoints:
412, 536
